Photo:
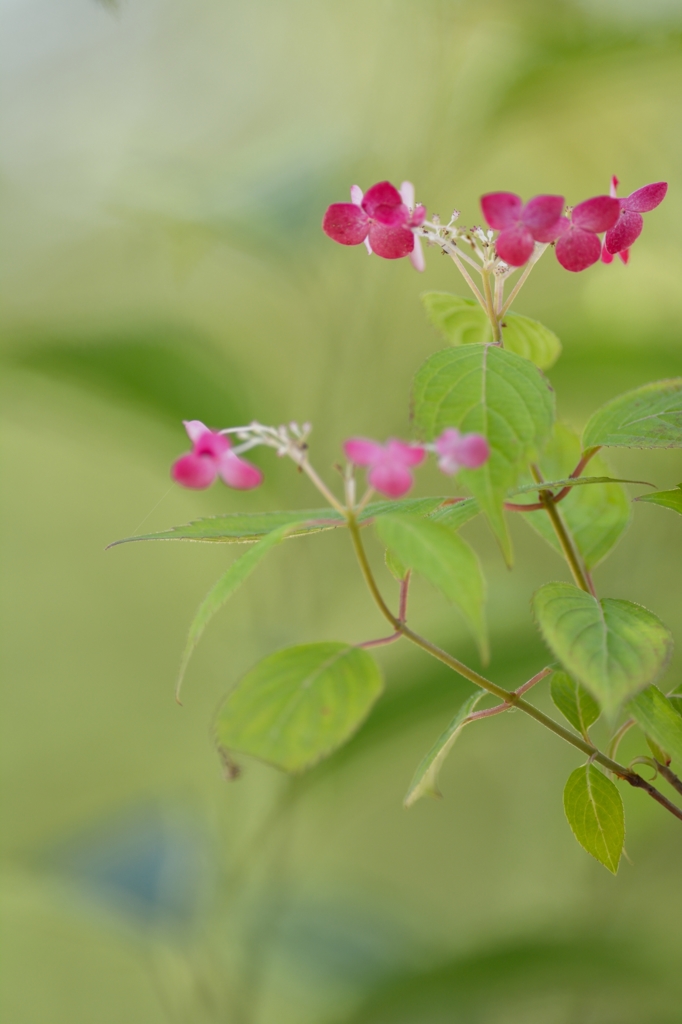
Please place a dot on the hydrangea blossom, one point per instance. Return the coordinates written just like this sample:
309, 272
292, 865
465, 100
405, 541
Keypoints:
521, 226
211, 456
460, 451
579, 246
389, 465
628, 227
383, 218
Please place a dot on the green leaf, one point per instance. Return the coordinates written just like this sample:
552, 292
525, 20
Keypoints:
224, 588
596, 516
574, 702
425, 779
668, 499
614, 648
530, 339
649, 417
482, 388
594, 810
298, 705
396, 568
462, 322
456, 514
657, 716
247, 527
445, 560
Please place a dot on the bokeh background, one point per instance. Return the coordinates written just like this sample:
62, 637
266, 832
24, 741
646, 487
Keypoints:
166, 167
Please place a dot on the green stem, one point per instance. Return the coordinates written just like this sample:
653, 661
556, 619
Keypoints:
490, 308
510, 697
563, 536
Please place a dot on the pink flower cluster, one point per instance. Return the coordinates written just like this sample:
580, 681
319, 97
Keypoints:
578, 245
212, 456
383, 218
390, 465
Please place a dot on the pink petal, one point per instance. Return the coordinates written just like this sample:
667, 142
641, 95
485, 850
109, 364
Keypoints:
417, 255
627, 230
345, 223
211, 443
407, 194
646, 198
625, 256
515, 246
194, 428
606, 256
400, 453
363, 452
390, 479
614, 186
197, 471
391, 243
541, 216
501, 209
577, 250
383, 201
597, 214
473, 450
461, 450
239, 473
356, 195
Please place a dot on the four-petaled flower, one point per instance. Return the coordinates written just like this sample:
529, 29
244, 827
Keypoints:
578, 246
521, 226
460, 451
390, 465
383, 218
628, 227
211, 456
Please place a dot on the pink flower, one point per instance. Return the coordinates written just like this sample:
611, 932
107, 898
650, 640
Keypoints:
460, 451
521, 226
211, 457
578, 246
381, 218
628, 227
390, 465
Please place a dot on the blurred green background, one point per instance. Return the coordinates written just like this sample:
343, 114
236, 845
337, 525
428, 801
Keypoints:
166, 169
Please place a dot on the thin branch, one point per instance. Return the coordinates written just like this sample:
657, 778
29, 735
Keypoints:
522, 280
674, 780
570, 554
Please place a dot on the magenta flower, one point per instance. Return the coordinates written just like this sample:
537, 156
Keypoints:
460, 451
628, 227
578, 246
211, 456
381, 218
521, 226
390, 465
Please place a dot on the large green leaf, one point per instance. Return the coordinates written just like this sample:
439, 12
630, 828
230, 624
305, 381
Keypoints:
574, 702
224, 588
247, 527
425, 779
456, 514
649, 417
596, 515
614, 648
445, 560
463, 322
482, 388
658, 717
594, 810
668, 499
296, 706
